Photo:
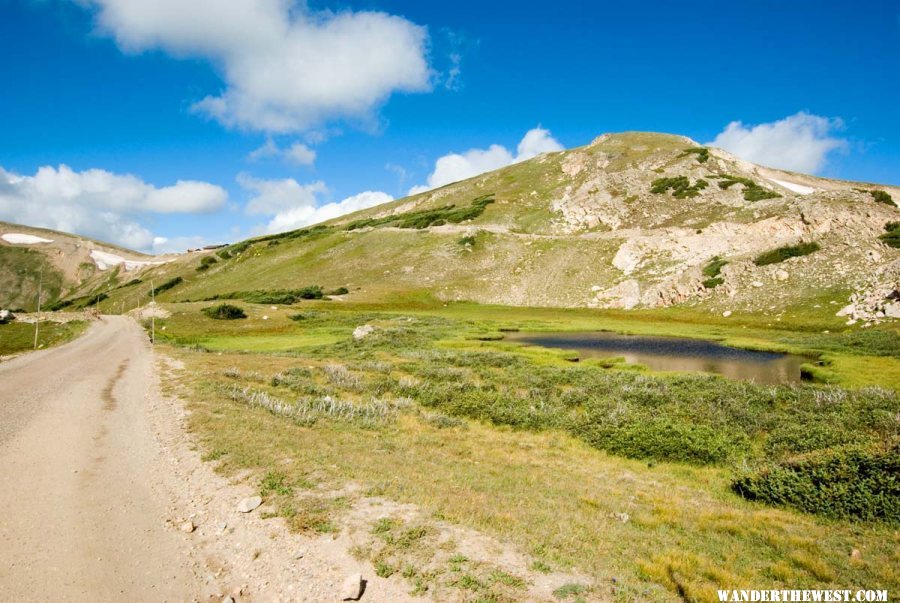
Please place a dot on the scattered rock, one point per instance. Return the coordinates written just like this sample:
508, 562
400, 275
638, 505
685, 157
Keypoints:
352, 588
726, 313
757, 284
228, 599
846, 310
623, 517
6, 316
187, 527
782, 275
248, 504
362, 331
856, 555
265, 317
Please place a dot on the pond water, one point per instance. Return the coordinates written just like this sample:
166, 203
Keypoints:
674, 354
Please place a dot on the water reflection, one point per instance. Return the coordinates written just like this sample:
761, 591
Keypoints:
674, 354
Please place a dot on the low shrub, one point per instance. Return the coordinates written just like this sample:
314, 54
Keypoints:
663, 439
206, 262
843, 482
702, 153
284, 297
224, 312
428, 217
891, 237
712, 271
787, 252
339, 291
172, 282
881, 197
681, 186
752, 191
224, 254
466, 241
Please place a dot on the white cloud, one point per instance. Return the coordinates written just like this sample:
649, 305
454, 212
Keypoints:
99, 204
298, 153
800, 142
293, 205
285, 67
454, 167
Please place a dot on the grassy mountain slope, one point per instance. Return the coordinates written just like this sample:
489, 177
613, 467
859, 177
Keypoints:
69, 269
632, 220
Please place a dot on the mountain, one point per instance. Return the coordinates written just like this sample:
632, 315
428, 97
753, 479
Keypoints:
61, 264
632, 220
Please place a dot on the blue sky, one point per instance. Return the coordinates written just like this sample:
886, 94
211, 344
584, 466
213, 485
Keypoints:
116, 93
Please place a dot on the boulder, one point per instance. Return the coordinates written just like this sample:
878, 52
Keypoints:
6, 316
352, 588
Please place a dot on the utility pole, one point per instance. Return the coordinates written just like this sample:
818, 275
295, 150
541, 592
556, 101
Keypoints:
152, 313
37, 320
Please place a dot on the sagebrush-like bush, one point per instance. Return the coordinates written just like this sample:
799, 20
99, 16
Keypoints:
843, 482
787, 252
224, 312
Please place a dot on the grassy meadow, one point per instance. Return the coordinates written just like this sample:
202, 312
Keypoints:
16, 337
646, 486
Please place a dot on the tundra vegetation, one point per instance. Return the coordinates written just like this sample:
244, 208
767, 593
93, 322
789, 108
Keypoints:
712, 271
752, 190
780, 254
686, 482
891, 236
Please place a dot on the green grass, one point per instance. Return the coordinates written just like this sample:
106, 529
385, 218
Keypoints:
16, 337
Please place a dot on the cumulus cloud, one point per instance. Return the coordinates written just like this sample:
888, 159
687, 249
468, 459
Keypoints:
454, 167
292, 205
800, 142
285, 67
297, 153
98, 203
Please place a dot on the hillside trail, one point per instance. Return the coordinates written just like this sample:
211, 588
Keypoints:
99, 480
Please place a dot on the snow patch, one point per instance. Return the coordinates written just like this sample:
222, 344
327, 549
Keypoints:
797, 188
106, 260
23, 239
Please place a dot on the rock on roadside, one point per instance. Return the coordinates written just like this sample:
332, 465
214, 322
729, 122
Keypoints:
248, 504
352, 588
